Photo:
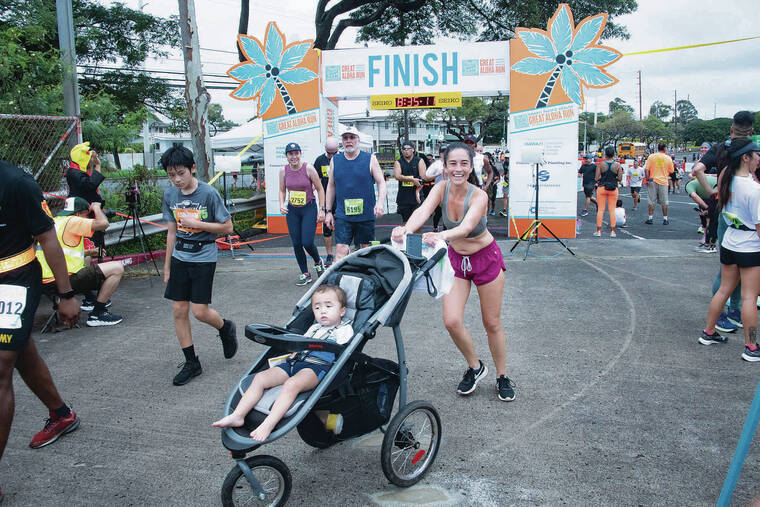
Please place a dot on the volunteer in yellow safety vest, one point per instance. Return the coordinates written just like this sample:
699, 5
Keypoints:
72, 225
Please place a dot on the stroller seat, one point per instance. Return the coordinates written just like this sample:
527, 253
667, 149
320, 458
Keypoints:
360, 304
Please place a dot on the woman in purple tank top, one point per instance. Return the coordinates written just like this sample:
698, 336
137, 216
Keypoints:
298, 181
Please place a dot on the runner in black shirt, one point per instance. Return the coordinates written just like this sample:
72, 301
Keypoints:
588, 170
322, 165
24, 220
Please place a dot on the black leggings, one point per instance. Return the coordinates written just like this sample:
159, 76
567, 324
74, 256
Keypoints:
713, 213
302, 224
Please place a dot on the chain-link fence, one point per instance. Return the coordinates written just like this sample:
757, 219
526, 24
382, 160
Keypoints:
40, 145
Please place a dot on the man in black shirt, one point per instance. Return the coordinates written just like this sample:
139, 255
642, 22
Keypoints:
322, 165
588, 170
24, 220
409, 170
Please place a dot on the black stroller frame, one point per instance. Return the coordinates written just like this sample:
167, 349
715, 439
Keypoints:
401, 434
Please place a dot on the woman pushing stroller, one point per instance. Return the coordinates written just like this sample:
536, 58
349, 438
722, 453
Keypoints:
475, 257
302, 371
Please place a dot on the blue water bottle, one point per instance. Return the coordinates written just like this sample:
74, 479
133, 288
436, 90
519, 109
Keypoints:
578, 225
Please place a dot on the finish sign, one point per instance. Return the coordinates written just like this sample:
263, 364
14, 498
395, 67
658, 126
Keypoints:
421, 101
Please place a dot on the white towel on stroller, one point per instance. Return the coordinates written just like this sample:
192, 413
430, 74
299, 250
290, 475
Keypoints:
442, 274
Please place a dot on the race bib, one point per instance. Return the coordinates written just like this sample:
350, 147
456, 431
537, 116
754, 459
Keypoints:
635, 175
297, 197
354, 206
181, 213
505, 183
12, 304
407, 183
325, 171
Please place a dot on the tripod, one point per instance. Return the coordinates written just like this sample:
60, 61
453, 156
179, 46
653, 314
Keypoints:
230, 208
531, 233
137, 225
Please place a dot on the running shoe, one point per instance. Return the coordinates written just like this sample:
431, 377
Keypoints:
88, 305
735, 317
584, 213
491, 213
725, 325
55, 427
503, 213
716, 337
104, 318
189, 370
613, 234
699, 248
709, 249
505, 388
751, 355
471, 378
700, 230
329, 261
319, 268
649, 221
304, 279
597, 234
228, 335
665, 221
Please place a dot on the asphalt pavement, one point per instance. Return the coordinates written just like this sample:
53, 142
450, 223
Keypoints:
617, 403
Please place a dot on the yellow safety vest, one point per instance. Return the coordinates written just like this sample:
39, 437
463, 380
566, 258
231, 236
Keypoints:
74, 254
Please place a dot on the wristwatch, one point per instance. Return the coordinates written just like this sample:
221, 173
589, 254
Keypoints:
324, 209
67, 295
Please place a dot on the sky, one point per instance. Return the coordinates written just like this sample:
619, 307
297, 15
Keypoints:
719, 80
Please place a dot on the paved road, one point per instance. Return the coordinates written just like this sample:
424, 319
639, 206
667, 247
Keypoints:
617, 403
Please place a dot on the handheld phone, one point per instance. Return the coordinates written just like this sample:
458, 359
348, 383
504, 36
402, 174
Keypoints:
414, 245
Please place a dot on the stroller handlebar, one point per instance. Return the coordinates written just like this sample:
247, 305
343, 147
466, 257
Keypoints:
282, 339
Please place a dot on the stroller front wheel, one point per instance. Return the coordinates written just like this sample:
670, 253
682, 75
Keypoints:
272, 475
411, 443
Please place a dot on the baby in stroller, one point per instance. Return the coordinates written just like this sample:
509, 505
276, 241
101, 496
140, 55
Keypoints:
301, 371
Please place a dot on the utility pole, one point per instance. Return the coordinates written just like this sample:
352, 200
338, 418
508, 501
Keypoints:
148, 161
406, 126
196, 95
65, 16
675, 120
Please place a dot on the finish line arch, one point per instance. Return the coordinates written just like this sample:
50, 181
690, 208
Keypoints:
296, 88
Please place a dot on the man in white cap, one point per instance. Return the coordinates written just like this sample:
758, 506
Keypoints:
350, 190
322, 165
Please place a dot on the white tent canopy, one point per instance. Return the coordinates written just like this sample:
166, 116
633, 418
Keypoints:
238, 137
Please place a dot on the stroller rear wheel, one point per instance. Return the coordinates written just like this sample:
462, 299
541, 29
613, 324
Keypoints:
271, 473
411, 443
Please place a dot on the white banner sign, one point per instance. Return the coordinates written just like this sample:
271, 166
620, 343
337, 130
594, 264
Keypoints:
475, 69
556, 129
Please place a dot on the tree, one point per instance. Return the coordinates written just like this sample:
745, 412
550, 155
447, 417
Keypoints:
177, 113
484, 112
660, 110
618, 105
109, 130
685, 112
654, 129
698, 131
618, 126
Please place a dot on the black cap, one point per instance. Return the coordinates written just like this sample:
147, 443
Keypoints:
469, 138
292, 147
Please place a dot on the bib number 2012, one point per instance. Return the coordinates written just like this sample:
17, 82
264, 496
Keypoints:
12, 304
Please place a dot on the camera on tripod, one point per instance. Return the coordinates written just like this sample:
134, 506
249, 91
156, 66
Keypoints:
132, 195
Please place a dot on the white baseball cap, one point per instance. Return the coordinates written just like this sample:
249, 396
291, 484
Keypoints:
349, 130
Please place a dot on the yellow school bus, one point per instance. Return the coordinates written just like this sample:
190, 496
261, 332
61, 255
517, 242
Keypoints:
631, 150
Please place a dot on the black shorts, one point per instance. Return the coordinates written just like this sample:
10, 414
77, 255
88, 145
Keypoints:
326, 231
406, 211
86, 279
741, 259
20, 292
635, 190
190, 281
588, 190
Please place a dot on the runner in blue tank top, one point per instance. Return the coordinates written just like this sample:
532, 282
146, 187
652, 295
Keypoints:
351, 192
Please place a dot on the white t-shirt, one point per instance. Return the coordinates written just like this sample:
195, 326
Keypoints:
744, 203
636, 176
341, 333
477, 163
435, 169
620, 216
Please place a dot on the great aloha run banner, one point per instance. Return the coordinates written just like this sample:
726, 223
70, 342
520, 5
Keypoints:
548, 72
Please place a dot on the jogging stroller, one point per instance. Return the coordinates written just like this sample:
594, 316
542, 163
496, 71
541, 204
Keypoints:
378, 282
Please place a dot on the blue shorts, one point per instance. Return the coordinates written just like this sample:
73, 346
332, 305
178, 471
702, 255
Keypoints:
293, 367
362, 233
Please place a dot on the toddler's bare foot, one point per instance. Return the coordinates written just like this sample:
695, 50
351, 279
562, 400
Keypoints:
231, 420
261, 433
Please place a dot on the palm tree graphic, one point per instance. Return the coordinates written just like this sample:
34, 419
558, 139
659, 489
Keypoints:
572, 56
269, 68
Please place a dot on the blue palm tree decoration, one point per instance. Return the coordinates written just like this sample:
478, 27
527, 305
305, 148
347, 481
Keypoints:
269, 69
572, 56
